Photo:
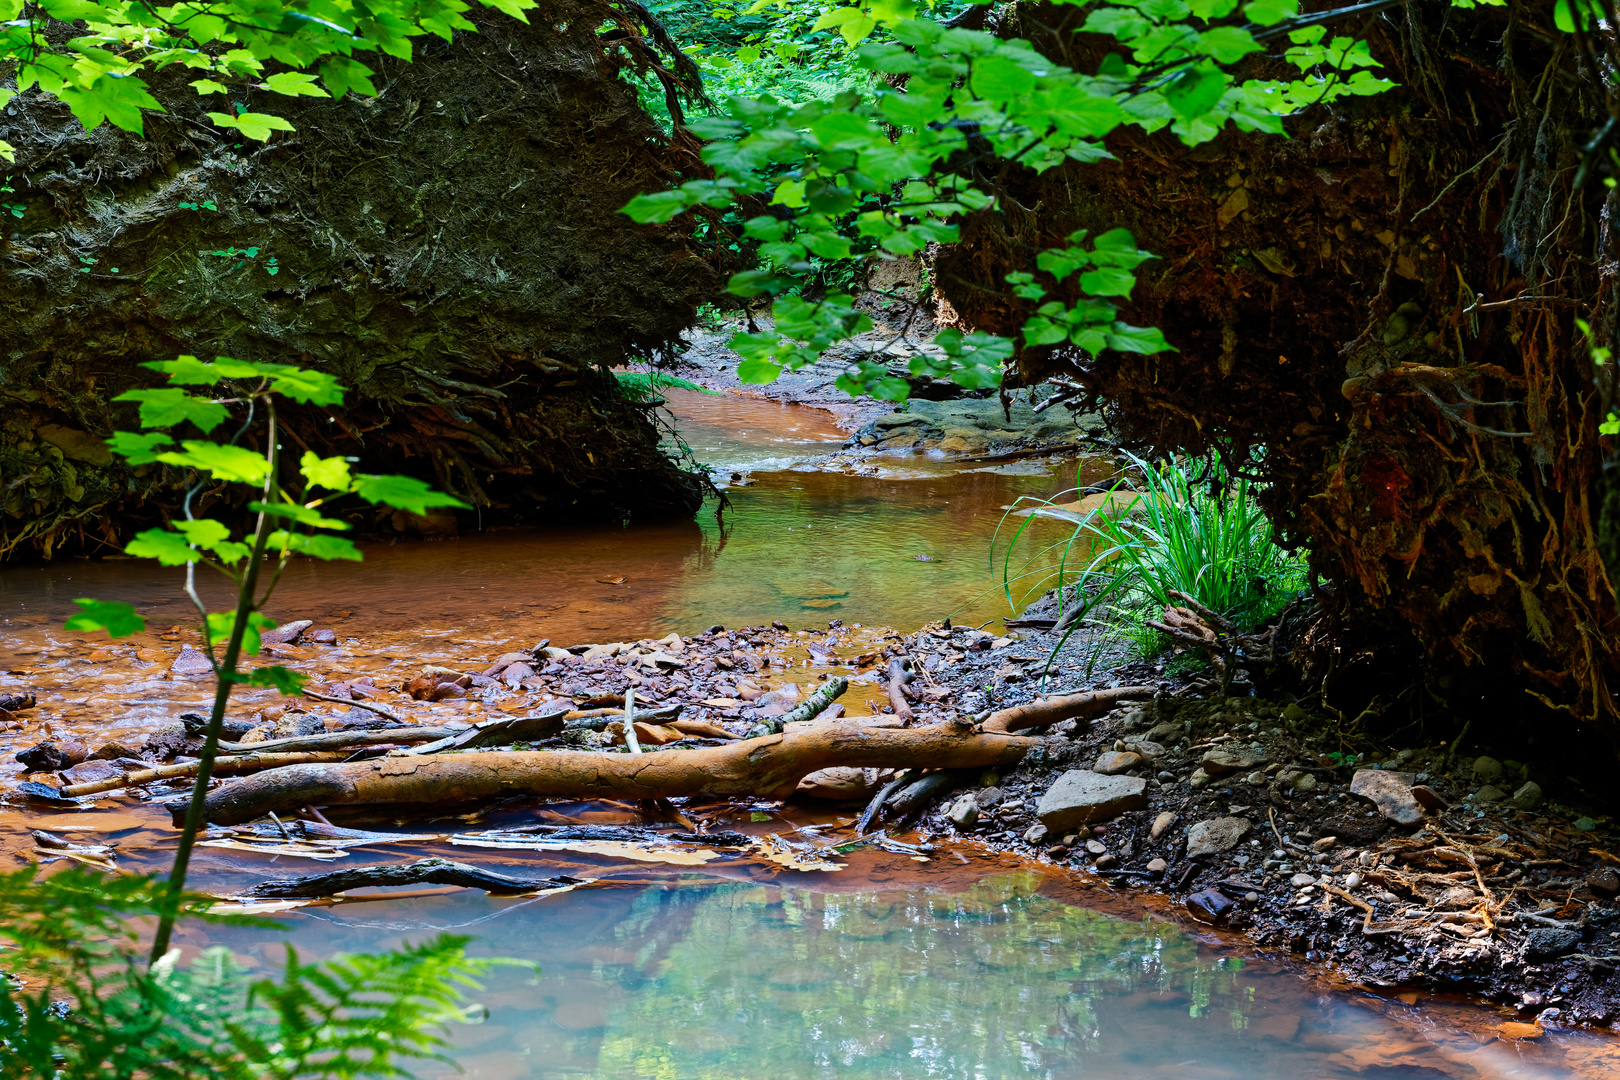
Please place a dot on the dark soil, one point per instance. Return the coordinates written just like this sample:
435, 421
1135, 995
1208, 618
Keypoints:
450, 249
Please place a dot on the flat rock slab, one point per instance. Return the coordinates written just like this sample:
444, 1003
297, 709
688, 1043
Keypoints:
1390, 792
1221, 762
1081, 796
1216, 835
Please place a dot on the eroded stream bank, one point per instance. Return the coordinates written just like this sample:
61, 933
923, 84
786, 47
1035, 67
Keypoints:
645, 980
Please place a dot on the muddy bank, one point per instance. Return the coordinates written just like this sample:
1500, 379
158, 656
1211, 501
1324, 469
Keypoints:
450, 249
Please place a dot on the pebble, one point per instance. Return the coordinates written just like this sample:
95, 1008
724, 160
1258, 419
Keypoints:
1487, 770
1209, 905
1603, 881
1156, 866
1257, 778
191, 662
1527, 797
1096, 847
1324, 843
1216, 835
1300, 881
1222, 762
1549, 941
1035, 834
1198, 779
1391, 794
1114, 762
1164, 732
1352, 880
963, 812
1513, 1030
1489, 794
1160, 824
1106, 861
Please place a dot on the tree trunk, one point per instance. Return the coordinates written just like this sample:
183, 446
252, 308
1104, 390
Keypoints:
451, 249
1376, 316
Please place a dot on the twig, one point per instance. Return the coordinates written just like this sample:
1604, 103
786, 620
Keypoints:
378, 709
876, 805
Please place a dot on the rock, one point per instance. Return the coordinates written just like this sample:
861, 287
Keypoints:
1352, 880
1293, 713
1222, 762
1198, 779
1527, 797
1105, 861
1391, 794
1209, 905
296, 724
286, 633
1081, 796
54, 755
1550, 941
1603, 881
192, 662
1149, 751
779, 701
1035, 834
1165, 732
514, 674
839, 783
1324, 843
1487, 770
1257, 778
257, 735
1428, 798
504, 661
1216, 835
1303, 782
88, 772
1156, 866
359, 720
662, 661
108, 751
1513, 1030
1114, 762
323, 636
1489, 794
1160, 824
1299, 881
963, 812
168, 742
1096, 847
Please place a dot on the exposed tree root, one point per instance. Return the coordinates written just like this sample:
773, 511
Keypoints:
1044, 712
771, 767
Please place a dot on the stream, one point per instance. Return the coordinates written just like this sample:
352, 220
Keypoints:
961, 965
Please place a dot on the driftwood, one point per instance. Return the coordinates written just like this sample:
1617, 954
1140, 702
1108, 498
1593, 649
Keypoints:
337, 740
420, 872
928, 789
876, 805
770, 767
504, 730
1046, 711
807, 709
899, 675
234, 763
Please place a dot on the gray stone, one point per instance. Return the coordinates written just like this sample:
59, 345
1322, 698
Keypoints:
1035, 834
1216, 835
1489, 794
1527, 797
1390, 792
1114, 762
1487, 770
1164, 732
1548, 941
1221, 762
1096, 847
1146, 749
1198, 779
1080, 796
963, 812
298, 724
191, 662
1299, 881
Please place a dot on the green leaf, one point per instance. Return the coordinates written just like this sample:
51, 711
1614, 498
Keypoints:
1195, 91
168, 548
230, 463
1138, 339
208, 86
316, 545
757, 372
189, 371
168, 406
252, 125
403, 493
331, 473
656, 208
118, 619
1108, 281
343, 75
1270, 12
1117, 247
138, 448
303, 515
222, 623
514, 8
306, 386
294, 84
1228, 44
289, 682
999, 79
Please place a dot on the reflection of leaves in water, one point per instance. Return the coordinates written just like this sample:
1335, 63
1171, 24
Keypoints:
995, 981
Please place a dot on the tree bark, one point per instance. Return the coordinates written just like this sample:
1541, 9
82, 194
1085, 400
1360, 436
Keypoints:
769, 767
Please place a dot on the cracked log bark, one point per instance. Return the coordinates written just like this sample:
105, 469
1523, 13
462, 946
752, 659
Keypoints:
771, 767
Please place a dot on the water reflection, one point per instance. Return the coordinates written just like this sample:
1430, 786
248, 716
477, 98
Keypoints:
743, 981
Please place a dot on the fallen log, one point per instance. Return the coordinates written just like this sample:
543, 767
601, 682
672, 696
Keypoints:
234, 763
421, 872
1046, 711
928, 789
808, 709
770, 767
336, 740
899, 675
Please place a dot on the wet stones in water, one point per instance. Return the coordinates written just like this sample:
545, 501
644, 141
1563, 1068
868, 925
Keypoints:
16, 702
1209, 905
54, 755
358, 720
191, 662
287, 633
321, 637
1216, 835
1549, 941
114, 749
1081, 796
1390, 792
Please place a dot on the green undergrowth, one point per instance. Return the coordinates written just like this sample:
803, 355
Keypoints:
1174, 527
647, 385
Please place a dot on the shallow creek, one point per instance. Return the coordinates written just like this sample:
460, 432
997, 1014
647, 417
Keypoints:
964, 965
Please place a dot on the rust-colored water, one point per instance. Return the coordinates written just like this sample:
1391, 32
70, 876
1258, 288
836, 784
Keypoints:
966, 966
